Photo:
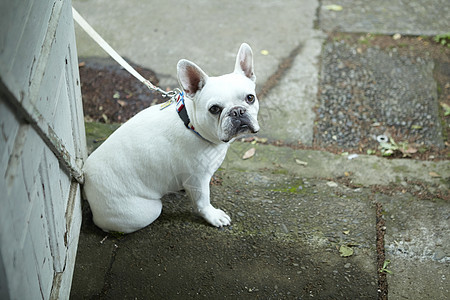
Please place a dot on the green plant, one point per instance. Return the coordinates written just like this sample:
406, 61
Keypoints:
446, 109
384, 268
371, 151
443, 39
389, 148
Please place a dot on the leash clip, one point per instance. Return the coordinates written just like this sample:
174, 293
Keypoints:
175, 96
173, 93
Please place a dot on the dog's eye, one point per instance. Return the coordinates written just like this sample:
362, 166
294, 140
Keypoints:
250, 98
215, 109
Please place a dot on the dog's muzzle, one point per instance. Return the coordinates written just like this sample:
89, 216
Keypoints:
241, 122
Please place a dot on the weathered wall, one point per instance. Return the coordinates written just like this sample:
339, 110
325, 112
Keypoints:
42, 147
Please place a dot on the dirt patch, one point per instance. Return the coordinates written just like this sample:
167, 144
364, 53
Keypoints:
110, 94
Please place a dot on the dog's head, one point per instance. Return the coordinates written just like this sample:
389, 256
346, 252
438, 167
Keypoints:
223, 107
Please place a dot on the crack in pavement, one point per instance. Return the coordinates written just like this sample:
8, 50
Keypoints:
283, 67
381, 258
107, 284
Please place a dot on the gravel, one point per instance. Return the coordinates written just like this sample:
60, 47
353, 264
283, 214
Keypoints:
369, 92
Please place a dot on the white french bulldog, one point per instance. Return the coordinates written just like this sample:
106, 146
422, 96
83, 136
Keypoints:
167, 148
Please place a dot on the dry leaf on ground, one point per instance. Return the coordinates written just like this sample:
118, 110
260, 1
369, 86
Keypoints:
250, 153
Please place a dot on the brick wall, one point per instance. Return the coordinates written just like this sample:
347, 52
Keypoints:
42, 147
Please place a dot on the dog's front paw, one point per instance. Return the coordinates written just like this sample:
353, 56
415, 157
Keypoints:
215, 217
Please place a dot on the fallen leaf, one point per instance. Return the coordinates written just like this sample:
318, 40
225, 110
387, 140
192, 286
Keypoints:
250, 153
333, 7
261, 140
302, 163
345, 251
121, 103
409, 150
346, 232
446, 107
434, 174
116, 95
416, 127
264, 52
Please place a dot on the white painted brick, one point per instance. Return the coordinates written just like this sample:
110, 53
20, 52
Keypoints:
62, 123
31, 157
55, 206
19, 210
64, 185
9, 125
26, 23
40, 240
53, 85
46, 103
26, 285
72, 244
76, 105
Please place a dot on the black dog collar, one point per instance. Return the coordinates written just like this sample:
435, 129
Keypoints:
182, 112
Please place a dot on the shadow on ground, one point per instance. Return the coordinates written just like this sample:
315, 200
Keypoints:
283, 243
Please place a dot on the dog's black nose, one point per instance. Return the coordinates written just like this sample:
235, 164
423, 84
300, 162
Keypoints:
237, 111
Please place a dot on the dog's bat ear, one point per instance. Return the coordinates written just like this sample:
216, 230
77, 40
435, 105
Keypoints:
191, 78
244, 62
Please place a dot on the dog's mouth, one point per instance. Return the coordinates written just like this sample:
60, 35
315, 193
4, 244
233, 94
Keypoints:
245, 128
240, 129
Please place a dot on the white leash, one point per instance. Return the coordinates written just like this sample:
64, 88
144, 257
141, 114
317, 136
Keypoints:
105, 46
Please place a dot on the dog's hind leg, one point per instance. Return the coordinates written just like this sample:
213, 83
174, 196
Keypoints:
132, 214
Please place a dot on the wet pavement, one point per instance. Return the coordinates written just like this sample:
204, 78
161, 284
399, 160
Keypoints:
303, 220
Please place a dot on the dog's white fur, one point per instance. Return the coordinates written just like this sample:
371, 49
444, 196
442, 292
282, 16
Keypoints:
154, 153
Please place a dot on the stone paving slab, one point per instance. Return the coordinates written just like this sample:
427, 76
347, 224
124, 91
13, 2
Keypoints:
283, 243
364, 170
287, 111
156, 34
417, 246
372, 92
429, 17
